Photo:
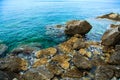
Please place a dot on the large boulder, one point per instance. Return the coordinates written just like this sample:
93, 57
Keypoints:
111, 37
112, 16
77, 27
3, 48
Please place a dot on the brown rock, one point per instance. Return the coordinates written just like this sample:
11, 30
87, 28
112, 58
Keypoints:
111, 37
13, 64
112, 16
81, 62
40, 73
40, 62
77, 27
46, 52
54, 69
105, 72
62, 60
79, 44
73, 73
67, 46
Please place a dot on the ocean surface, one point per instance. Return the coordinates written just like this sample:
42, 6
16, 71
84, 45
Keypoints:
33, 21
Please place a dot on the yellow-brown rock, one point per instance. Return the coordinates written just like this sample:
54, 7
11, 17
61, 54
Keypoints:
82, 51
65, 65
62, 60
40, 62
67, 46
88, 54
24, 64
46, 52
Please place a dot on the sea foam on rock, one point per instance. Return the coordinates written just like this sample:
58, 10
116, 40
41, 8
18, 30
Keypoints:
77, 27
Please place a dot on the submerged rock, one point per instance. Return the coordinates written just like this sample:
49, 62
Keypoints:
111, 37
3, 48
13, 64
26, 49
77, 27
112, 16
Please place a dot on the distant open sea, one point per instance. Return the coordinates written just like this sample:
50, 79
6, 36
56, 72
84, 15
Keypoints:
28, 21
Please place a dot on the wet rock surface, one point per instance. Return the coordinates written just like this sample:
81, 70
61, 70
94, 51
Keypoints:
77, 27
112, 16
3, 48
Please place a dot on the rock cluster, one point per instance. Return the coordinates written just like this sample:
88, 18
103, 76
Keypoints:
74, 59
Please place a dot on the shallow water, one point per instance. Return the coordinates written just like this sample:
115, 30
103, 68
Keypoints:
27, 21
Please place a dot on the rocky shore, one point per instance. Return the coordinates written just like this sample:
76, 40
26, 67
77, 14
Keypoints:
74, 59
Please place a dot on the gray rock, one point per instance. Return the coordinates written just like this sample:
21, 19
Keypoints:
115, 58
26, 49
82, 62
4, 76
40, 73
104, 72
77, 27
3, 48
8, 75
117, 47
111, 37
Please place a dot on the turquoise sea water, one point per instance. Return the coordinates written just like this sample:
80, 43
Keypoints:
29, 21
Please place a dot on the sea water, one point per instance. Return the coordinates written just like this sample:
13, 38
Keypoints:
32, 21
